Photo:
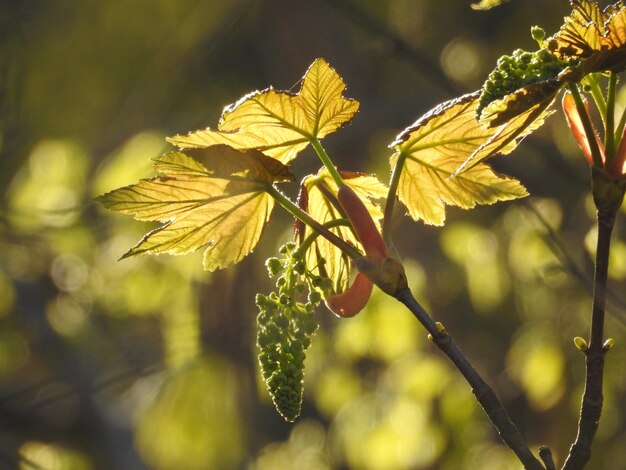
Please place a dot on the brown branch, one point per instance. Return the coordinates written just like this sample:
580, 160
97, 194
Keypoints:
591, 405
483, 392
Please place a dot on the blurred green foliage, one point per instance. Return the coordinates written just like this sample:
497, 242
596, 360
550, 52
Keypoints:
150, 362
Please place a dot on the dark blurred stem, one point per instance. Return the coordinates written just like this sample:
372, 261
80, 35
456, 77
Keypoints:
591, 405
483, 392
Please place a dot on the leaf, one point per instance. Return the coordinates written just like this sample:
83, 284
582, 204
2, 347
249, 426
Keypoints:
526, 104
487, 4
280, 123
214, 197
597, 36
337, 265
430, 153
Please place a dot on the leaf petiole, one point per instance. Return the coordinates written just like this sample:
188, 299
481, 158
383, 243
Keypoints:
308, 241
328, 163
609, 122
391, 196
593, 83
301, 215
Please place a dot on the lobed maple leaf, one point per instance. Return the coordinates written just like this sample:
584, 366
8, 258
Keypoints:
213, 197
279, 123
433, 157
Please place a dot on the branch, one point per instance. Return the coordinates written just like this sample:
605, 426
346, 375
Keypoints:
591, 405
483, 392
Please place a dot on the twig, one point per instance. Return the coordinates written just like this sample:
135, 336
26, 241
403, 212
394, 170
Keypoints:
591, 405
483, 392
546, 455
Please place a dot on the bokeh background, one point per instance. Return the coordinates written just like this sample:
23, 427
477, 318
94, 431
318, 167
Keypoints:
149, 363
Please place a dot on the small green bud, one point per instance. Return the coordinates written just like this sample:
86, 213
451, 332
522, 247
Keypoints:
538, 34
299, 268
309, 325
315, 297
282, 321
608, 344
274, 266
581, 344
440, 328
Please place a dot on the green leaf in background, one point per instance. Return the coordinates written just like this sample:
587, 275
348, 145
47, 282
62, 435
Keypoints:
214, 197
337, 264
487, 4
430, 153
280, 123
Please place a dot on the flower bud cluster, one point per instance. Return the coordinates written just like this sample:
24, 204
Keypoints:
517, 71
285, 324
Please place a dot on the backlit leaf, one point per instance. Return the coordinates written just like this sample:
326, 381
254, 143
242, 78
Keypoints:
337, 264
487, 4
597, 36
527, 104
431, 153
280, 123
214, 197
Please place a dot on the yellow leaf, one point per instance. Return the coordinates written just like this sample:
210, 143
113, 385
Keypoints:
368, 188
432, 154
280, 123
486, 4
597, 36
527, 105
214, 197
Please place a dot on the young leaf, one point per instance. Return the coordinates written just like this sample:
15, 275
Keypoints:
430, 153
337, 264
280, 123
595, 35
214, 197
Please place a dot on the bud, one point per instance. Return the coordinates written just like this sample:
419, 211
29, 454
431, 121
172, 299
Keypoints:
538, 34
581, 344
608, 344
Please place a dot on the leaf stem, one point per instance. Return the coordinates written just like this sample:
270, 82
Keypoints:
391, 196
609, 122
591, 405
596, 93
328, 163
298, 213
482, 391
308, 241
620, 126
587, 125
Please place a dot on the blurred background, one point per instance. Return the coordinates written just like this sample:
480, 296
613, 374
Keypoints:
150, 363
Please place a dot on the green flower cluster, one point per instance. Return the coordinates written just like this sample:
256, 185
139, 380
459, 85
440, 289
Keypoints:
518, 71
285, 324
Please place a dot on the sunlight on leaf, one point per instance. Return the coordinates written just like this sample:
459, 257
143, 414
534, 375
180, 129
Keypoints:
431, 152
280, 123
528, 105
595, 35
487, 4
213, 197
368, 188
